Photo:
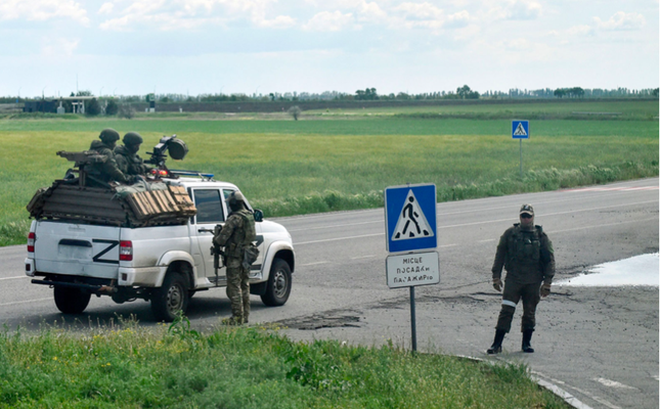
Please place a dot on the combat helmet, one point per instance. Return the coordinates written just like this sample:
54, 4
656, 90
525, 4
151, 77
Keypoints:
109, 135
132, 138
236, 201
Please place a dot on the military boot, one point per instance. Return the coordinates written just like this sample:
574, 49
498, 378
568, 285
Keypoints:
233, 320
496, 348
526, 341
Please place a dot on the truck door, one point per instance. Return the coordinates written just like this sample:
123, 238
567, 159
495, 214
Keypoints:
210, 211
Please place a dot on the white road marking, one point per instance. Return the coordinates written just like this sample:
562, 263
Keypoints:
445, 214
600, 225
337, 239
315, 264
13, 278
582, 391
613, 384
610, 189
363, 257
26, 301
336, 225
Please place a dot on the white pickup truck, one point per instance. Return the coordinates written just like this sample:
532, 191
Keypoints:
164, 264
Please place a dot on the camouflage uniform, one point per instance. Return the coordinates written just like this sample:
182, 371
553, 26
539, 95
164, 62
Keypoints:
236, 234
106, 171
127, 158
526, 253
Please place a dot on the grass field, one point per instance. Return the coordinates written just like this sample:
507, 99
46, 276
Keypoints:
291, 167
543, 109
175, 367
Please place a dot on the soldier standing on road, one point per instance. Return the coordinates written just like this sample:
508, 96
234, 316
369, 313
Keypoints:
527, 254
127, 158
237, 233
107, 171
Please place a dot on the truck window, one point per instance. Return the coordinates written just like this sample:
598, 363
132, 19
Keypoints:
209, 206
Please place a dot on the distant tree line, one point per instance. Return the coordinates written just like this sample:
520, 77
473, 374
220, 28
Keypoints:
371, 94
367, 94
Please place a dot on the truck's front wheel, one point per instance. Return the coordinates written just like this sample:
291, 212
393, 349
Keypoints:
279, 284
71, 300
171, 298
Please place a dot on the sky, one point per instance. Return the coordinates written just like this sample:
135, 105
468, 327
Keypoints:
194, 47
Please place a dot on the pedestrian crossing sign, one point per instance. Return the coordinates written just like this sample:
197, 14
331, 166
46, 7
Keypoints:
410, 218
520, 129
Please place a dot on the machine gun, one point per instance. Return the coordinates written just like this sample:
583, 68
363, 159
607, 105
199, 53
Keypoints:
82, 159
174, 146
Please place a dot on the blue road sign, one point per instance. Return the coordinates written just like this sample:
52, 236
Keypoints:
520, 129
410, 218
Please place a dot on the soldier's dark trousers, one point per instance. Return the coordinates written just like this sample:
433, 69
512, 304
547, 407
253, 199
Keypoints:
513, 292
238, 290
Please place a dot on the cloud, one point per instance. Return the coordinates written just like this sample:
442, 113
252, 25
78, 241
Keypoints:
192, 14
418, 15
329, 21
42, 10
419, 11
580, 31
458, 20
516, 10
59, 47
622, 21
277, 22
106, 8
370, 12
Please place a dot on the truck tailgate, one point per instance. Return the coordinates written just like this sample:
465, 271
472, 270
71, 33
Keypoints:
77, 249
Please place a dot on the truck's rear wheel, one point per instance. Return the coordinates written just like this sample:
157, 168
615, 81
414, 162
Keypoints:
279, 284
71, 300
171, 298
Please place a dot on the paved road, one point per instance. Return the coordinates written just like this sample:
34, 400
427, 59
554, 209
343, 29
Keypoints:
598, 344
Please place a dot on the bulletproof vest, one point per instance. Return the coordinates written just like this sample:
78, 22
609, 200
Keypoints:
242, 237
524, 246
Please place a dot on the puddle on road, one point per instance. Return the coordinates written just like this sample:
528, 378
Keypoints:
639, 270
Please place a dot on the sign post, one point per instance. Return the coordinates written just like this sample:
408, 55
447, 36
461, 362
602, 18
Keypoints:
410, 226
520, 131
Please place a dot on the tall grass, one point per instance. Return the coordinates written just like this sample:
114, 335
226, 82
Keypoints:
176, 367
296, 167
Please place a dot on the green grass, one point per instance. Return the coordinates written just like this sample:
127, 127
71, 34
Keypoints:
288, 167
535, 109
176, 367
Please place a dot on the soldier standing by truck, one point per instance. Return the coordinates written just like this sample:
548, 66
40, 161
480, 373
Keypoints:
236, 236
527, 254
127, 158
107, 170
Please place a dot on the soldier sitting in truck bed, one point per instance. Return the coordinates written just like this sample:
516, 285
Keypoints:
106, 171
128, 161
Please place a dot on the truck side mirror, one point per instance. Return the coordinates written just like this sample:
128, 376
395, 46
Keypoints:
258, 215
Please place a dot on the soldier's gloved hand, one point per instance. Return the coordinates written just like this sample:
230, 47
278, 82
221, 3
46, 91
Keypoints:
497, 284
545, 290
217, 229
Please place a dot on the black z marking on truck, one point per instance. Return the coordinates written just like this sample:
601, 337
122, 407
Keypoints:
260, 239
97, 257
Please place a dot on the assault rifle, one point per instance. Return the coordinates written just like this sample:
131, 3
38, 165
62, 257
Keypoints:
216, 251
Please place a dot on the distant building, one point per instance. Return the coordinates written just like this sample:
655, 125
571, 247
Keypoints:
55, 105
42, 105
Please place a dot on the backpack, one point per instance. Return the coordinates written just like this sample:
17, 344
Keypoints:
250, 252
